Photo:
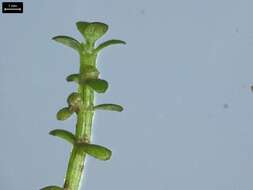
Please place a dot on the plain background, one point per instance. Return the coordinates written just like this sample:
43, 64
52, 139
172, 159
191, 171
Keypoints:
184, 79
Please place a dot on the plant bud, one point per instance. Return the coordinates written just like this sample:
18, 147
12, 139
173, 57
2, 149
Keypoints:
74, 101
95, 30
92, 31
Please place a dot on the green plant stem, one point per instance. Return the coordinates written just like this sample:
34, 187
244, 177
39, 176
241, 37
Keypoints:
83, 127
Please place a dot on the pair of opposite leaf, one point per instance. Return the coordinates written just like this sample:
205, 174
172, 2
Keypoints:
93, 150
91, 33
75, 102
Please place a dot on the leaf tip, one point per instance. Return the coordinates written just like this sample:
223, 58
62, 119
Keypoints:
109, 155
55, 38
53, 133
121, 109
123, 42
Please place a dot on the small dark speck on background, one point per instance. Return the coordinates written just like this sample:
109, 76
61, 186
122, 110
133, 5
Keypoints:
225, 106
237, 29
142, 11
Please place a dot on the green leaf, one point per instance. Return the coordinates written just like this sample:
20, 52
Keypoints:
52, 188
98, 85
73, 78
108, 43
96, 151
81, 26
92, 31
68, 41
110, 107
64, 114
66, 135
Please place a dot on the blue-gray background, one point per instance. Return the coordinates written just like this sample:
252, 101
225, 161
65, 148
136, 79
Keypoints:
184, 79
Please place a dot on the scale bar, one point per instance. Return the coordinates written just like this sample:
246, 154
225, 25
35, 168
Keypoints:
12, 7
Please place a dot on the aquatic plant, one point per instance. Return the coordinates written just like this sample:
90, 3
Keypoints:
81, 103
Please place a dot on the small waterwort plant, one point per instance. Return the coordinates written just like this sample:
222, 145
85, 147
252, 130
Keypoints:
81, 103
